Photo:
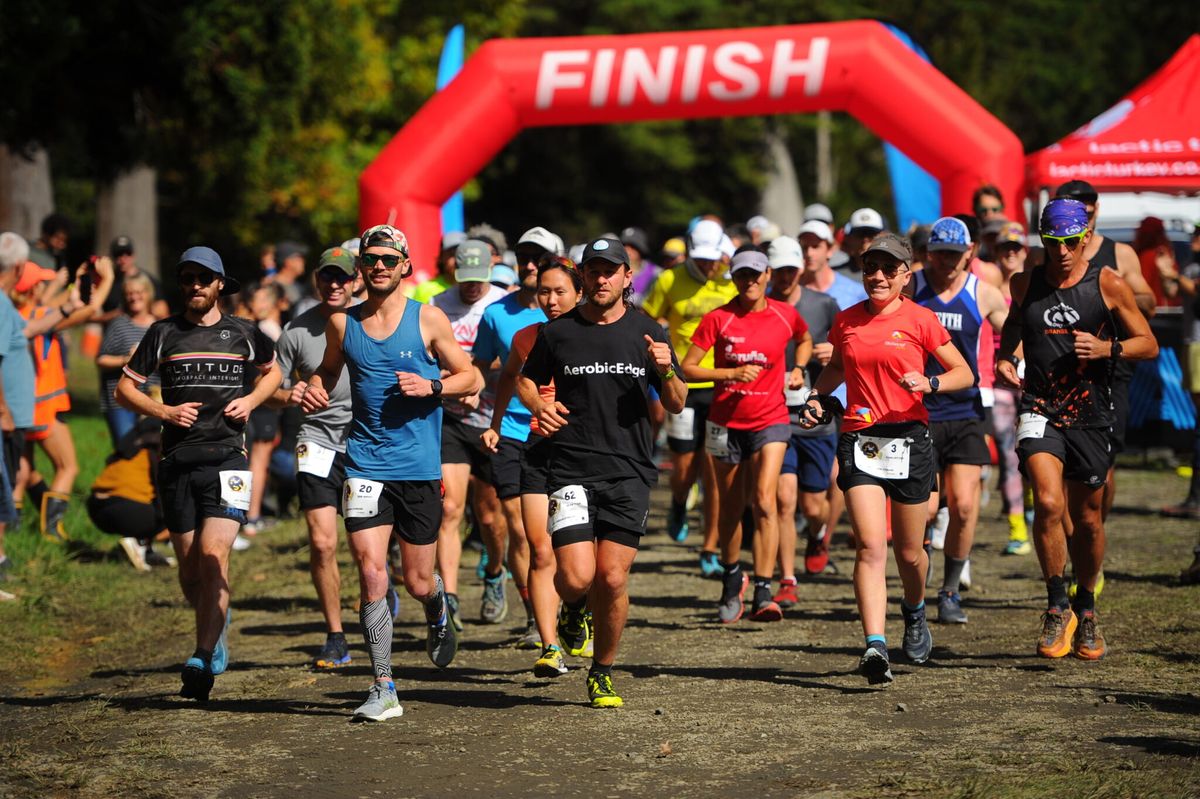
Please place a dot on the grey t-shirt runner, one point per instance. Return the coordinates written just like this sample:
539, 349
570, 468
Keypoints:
299, 352
818, 310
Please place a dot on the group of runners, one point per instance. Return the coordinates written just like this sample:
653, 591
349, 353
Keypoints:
785, 389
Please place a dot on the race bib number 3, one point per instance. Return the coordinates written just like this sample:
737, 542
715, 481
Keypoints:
235, 489
716, 440
681, 425
568, 508
886, 458
1031, 425
360, 498
314, 459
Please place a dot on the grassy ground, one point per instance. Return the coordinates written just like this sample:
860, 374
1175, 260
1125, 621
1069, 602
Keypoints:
92, 651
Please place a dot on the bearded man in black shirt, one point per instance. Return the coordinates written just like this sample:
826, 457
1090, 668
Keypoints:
602, 358
202, 357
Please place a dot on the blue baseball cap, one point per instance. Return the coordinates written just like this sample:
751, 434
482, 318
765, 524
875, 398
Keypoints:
1064, 217
949, 234
208, 258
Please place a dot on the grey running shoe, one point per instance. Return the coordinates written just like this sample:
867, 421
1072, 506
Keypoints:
918, 641
381, 703
731, 606
495, 603
441, 642
875, 666
531, 638
950, 608
455, 618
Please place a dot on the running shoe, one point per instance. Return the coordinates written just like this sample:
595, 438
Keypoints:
393, 602
937, 530
693, 498
950, 608
875, 665
156, 559
589, 646
1073, 588
677, 523
455, 617
197, 680
494, 607
600, 690
220, 657
1189, 576
531, 638
441, 641
381, 703
710, 565
334, 654
767, 611
918, 641
731, 606
574, 630
816, 555
964, 580
136, 552
786, 596
1018, 547
1058, 627
551, 663
1088, 643
241, 543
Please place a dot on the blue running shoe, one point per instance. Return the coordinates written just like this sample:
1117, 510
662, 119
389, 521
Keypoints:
220, 658
710, 565
483, 561
677, 523
197, 680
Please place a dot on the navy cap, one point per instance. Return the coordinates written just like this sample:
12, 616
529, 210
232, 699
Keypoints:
208, 258
608, 249
949, 234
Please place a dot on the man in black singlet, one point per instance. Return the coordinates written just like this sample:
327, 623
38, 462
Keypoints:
203, 358
1063, 315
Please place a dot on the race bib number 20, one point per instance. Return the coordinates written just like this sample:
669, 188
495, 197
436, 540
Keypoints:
360, 498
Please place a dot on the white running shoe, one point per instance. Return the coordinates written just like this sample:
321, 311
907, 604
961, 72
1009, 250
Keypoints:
937, 531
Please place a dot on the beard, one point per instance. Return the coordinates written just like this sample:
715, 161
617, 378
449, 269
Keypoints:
383, 291
202, 303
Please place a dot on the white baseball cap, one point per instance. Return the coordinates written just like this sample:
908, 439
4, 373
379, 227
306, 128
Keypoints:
818, 229
542, 238
727, 248
759, 222
866, 218
818, 211
785, 251
707, 238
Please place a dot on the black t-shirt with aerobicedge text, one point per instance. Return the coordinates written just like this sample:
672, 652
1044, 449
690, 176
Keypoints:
205, 364
602, 374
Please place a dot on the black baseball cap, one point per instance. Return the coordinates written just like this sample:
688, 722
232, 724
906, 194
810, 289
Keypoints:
607, 249
1077, 190
121, 245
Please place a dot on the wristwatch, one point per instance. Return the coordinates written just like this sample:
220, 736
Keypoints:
1116, 350
934, 385
435, 386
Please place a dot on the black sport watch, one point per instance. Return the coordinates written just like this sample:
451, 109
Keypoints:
435, 386
934, 385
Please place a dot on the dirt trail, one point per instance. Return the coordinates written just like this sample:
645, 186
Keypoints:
769, 710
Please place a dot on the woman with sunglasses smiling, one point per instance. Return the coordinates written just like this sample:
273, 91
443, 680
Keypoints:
880, 347
748, 425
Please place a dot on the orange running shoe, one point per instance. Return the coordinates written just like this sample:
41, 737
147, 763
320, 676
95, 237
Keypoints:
1057, 628
1088, 643
786, 596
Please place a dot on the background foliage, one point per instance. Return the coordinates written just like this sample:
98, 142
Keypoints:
259, 116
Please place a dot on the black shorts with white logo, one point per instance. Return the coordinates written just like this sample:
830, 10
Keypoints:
960, 441
922, 465
1086, 455
413, 508
320, 492
535, 465
699, 400
191, 491
461, 443
506, 467
616, 511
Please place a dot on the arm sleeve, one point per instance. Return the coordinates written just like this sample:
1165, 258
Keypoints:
705, 334
144, 362
538, 366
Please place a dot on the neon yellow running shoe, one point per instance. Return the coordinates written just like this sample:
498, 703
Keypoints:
1099, 586
600, 690
551, 663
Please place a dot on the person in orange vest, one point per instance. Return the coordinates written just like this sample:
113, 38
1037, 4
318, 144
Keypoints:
123, 500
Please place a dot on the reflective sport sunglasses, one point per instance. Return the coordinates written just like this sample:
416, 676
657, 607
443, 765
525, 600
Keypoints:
1071, 242
370, 259
334, 276
890, 268
204, 277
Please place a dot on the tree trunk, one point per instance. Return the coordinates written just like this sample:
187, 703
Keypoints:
825, 177
26, 194
129, 207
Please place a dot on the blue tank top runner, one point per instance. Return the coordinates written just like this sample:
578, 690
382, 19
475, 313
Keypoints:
962, 320
392, 437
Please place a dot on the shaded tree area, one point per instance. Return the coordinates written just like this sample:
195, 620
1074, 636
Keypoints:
259, 116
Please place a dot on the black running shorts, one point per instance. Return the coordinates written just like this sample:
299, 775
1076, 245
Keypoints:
616, 511
922, 466
320, 492
191, 492
961, 441
535, 465
506, 467
413, 508
461, 443
1085, 454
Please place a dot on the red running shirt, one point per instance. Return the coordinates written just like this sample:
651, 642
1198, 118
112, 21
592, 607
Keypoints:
522, 343
738, 338
877, 350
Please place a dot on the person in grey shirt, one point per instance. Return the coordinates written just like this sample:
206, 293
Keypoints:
321, 443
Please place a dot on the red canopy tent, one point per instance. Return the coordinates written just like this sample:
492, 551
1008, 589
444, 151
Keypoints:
1149, 141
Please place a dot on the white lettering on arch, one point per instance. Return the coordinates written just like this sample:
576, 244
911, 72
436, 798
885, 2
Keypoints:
812, 67
552, 77
655, 81
728, 63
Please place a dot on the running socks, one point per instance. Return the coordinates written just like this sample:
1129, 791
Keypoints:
1056, 591
577, 605
877, 639
953, 575
732, 568
376, 620
600, 668
1084, 600
762, 591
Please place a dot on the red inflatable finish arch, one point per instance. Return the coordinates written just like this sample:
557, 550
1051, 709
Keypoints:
508, 85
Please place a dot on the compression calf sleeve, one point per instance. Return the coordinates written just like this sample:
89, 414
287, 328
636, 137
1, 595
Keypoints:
376, 620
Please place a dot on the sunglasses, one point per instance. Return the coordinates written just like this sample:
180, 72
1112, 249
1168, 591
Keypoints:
988, 209
370, 259
332, 276
750, 275
1071, 242
889, 268
204, 278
